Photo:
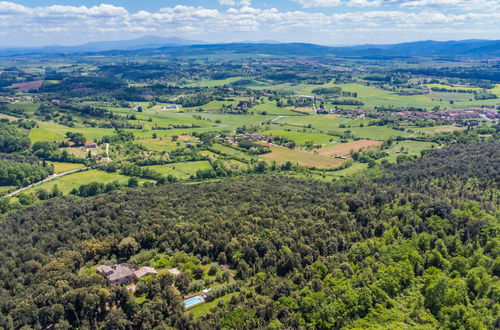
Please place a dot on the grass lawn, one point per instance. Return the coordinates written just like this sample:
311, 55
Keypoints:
68, 182
65, 167
309, 159
206, 307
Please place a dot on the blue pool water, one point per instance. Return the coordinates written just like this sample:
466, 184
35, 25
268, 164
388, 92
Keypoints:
192, 301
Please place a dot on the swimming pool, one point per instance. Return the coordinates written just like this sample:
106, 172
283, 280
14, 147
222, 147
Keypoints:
193, 301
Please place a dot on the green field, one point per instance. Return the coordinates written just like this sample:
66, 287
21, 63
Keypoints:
26, 107
407, 148
182, 170
55, 132
309, 159
496, 90
439, 129
302, 138
453, 87
69, 182
322, 122
215, 83
213, 106
65, 167
6, 189
272, 109
377, 132
163, 144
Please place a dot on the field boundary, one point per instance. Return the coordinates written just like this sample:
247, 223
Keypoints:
50, 178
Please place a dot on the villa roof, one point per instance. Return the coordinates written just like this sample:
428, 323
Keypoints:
104, 269
144, 271
120, 272
174, 271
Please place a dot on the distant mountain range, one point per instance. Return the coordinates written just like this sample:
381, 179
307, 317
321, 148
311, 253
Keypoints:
181, 47
148, 42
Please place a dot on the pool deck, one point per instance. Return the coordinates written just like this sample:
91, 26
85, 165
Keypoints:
196, 304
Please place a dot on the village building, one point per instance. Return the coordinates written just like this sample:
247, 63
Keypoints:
91, 145
145, 271
175, 271
123, 274
171, 107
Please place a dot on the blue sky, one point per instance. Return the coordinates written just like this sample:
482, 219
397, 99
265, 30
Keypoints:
329, 22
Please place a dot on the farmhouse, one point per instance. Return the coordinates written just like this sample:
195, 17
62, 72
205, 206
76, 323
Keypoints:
116, 274
123, 274
91, 145
170, 107
175, 272
145, 271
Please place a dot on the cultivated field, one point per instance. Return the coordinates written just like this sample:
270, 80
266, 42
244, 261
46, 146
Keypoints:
346, 148
309, 159
26, 86
65, 167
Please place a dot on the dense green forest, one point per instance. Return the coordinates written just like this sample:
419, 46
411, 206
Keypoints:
12, 139
22, 174
408, 245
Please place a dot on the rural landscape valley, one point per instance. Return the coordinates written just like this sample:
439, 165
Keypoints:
167, 183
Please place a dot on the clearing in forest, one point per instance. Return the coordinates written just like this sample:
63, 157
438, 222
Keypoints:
304, 158
346, 148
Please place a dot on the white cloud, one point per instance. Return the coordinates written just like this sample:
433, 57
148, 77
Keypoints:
370, 17
319, 3
235, 2
365, 3
448, 4
11, 8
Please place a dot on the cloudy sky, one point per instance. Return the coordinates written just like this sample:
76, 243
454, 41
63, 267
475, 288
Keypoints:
328, 22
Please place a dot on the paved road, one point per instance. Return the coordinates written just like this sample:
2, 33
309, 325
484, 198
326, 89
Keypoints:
50, 178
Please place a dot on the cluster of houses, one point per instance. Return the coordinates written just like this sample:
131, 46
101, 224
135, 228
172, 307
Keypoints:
453, 115
13, 99
125, 274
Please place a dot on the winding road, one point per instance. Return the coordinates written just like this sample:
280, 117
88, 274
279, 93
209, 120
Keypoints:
50, 178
